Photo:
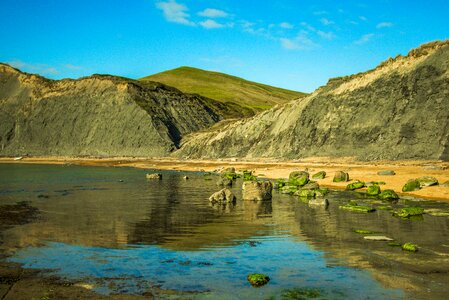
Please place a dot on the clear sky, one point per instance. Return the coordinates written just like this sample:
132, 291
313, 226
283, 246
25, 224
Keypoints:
292, 44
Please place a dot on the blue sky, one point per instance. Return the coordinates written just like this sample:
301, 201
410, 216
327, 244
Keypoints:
292, 44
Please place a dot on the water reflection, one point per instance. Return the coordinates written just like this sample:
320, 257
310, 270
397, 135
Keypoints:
112, 208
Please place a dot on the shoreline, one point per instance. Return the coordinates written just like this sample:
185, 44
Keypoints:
273, 169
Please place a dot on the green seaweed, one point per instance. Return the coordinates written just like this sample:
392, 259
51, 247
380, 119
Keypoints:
248, 176
319, 175
306, 193
373, 190
301, 293
410, 247
409, 211
257, 279
411, 185
388, 195
355, 185
357, 208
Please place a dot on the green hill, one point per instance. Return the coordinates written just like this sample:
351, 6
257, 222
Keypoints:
225, 88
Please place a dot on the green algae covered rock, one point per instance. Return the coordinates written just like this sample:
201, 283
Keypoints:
301, 293
410, 247
425, 181
411, 185
341, 176
355, 185
388, 195
319, 175
357, 208
289, 189
311, 186
321, 192
298, 178
373, 190
410, 211
280, 183
248, 176
384, 207
305, 193
257, 279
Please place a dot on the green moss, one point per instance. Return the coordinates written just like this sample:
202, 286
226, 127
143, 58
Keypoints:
358, 208
230, 175
248, 176
410, 247
373, 190
411, 185
388, 195
301, 294
257, 279
280, 183
363, 231
298, 178
306, 193
319, 175
289, 189
341, 176
355, 185
321, 192
410, 211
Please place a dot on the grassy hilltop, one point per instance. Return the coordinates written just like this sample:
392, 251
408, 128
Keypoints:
225, 88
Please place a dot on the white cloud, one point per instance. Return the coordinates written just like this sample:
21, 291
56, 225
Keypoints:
364, 38
34, 68
300, 42
175, 12
308, 26
211, 24
326, 35
384, 25
286, 25
326, 22
213, 13
363, 18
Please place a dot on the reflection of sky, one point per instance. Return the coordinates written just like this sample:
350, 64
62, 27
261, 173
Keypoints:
222, 271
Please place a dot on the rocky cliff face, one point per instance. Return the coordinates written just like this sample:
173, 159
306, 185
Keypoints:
97, 115
400, 110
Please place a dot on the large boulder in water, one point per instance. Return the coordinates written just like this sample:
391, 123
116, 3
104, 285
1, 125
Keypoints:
257, 190
222, 196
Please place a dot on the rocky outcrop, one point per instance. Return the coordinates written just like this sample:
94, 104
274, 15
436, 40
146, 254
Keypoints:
257, 190
223, 196
99, 115
395, 111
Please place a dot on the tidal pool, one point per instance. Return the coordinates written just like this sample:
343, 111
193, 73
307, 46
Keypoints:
116, 232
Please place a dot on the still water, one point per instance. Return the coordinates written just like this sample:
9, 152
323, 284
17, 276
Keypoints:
117, 232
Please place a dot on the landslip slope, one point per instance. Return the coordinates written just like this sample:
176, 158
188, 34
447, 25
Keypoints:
100, 115
399, 110
225, 88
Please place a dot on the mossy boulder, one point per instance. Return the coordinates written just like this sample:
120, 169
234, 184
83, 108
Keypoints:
298, 178
305, 193
411, 185
248, 176
319, 175
289, 189
355, 185
341, 176
410, 247
373, 190
426, 181
311, 186
358, 208
409, 211
388, 195
257, 279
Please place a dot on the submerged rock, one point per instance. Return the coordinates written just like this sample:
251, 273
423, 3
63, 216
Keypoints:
311, 186
355, 185
426, 181
411, 185
358, 208
373, 190
319, 175
280, 183
257, 280
319, 202
298, 178
257, 190
388, 195
289, 189
410, 247
378, 238
154, 176
223, 196
321, 192
386, 173
341, 176
410, 211
305, 193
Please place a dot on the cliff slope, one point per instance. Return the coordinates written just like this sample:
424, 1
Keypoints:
99, 115
398, 110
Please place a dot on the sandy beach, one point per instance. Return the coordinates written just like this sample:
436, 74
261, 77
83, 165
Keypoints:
273, 169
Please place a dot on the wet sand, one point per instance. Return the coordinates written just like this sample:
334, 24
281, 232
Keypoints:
273, 169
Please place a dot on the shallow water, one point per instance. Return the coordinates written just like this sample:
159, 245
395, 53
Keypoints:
120, 233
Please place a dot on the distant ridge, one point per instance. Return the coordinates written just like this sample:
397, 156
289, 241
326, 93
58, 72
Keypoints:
225, 88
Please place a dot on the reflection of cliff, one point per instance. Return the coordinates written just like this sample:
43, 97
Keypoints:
331, 231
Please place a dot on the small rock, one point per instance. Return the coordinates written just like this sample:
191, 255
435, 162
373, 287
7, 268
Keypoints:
257, 190
411, 185
386, 173
388, 195
373, 190
319, 202
409, 211
341, 176
355, 185
185, 177
257, 280
222, 196
319, 175
378, 238
311, 186
154, 176
305, 193
409, 247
